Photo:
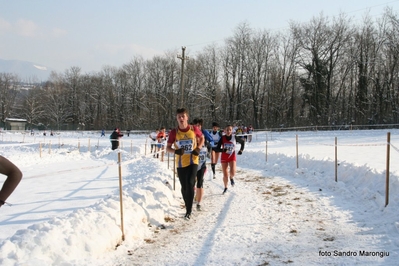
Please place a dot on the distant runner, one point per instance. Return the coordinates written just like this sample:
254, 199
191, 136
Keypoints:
216, 135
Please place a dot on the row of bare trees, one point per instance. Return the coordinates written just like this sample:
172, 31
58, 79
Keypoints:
323, 72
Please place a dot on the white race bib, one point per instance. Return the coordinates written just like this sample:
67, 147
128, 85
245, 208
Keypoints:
186, 145
202, 156
229, 147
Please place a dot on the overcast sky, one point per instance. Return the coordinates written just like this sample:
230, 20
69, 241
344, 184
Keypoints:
93, 33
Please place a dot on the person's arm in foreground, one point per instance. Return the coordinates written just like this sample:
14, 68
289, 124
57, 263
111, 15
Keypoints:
14, 176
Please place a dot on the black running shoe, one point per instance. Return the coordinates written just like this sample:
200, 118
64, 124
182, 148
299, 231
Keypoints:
225, 190
198, 207
187, 216
232, 182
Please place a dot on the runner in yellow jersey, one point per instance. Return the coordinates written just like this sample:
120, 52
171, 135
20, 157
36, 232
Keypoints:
187, 141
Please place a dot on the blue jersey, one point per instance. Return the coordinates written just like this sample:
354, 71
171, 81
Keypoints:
208, 137
216, 136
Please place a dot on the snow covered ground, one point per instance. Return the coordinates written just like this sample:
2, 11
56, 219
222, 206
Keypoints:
66, 210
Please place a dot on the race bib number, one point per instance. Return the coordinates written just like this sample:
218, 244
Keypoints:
229, 147
186, 145
202, 156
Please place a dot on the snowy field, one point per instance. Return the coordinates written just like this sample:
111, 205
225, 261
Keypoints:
66, 210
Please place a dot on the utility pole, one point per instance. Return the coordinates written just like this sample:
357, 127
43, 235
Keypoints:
183, 58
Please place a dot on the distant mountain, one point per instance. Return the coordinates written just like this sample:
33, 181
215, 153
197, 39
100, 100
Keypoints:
27, 71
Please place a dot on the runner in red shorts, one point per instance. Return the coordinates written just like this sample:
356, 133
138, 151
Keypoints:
227, 145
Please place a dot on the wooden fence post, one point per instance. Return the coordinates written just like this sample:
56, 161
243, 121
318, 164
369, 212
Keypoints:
121, 194
297, 162
387, 171
168, 160
174, 171
336, 160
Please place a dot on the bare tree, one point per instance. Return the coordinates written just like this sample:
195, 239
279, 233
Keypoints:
162, 80
8, 92
207, 68
73, 84
136, 100
261, 51
286, 58
32, 108
234, 61
55, 102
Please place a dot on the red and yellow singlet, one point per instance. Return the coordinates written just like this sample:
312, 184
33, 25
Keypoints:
187, 140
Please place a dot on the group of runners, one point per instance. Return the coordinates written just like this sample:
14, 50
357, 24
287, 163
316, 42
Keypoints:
244, 132
191, 144
158, 140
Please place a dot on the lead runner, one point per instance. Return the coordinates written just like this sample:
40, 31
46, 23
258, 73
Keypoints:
187, 141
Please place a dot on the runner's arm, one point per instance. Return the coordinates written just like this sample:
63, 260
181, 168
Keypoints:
242, 143
219, 146
171, 140
208, 136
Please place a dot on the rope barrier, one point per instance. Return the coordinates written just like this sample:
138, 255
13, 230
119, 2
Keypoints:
343, 145
366, 145
396, 149
243, 135
307, 143
156, 152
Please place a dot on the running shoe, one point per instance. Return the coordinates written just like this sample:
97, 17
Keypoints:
225, 190
198, 207
187, 216
232, 182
